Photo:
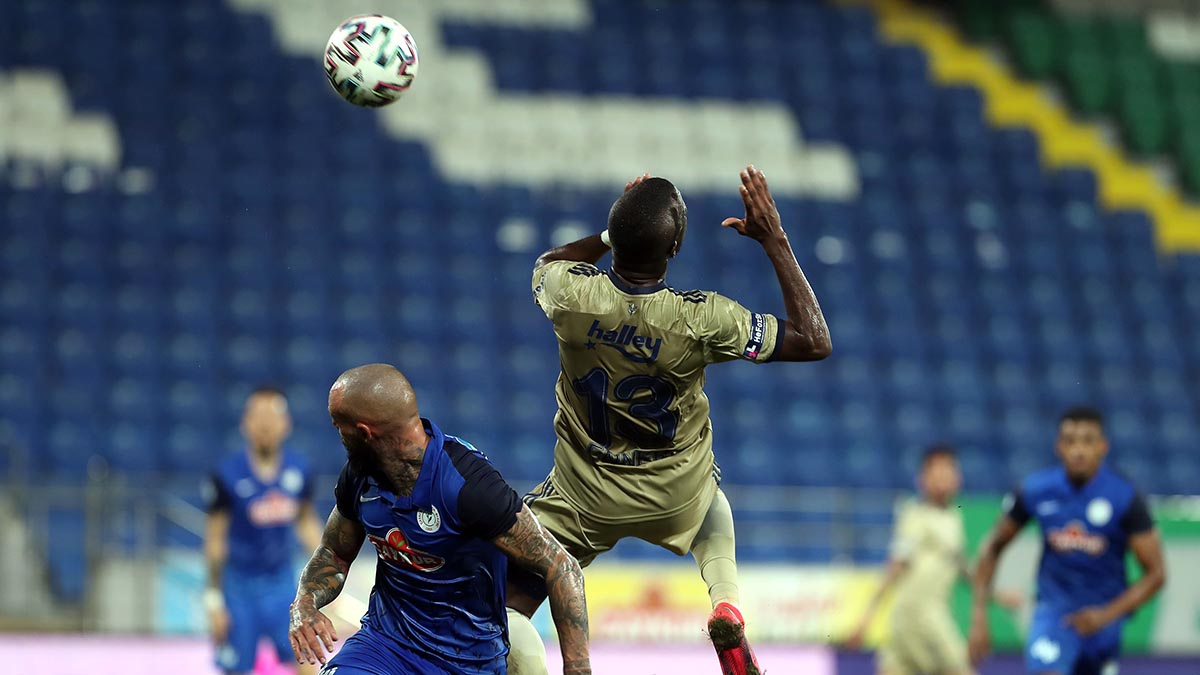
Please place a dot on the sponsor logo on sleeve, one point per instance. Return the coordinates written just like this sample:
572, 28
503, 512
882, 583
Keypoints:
758, 331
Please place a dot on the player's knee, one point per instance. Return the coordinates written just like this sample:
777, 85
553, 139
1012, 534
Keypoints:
526, 652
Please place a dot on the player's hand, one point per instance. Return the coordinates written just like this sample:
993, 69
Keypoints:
311, 633
762, 218
1009, 599
218, 624
979, 640
1088, 621
636, 182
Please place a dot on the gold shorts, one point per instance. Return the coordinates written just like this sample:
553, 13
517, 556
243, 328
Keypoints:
586, 536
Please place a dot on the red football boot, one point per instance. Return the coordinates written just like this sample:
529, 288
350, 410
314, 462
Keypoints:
727, 630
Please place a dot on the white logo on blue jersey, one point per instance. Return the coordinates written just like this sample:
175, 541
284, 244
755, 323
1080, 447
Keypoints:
292, 481
1099, 511
430, 522
1045, 650
1047, 508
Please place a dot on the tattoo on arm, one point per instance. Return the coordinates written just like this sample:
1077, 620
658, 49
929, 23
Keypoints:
325, 573
528, 544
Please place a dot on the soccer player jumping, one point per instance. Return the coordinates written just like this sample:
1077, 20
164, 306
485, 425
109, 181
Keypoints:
634, 455
442, 521
1090, 516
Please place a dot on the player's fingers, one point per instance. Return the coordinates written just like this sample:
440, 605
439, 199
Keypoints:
325, 632
313, 645
295, 647
732, 222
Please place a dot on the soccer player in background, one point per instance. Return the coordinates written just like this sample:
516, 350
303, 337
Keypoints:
1090, 517
634, 455
444, 525
927, 557
256, 499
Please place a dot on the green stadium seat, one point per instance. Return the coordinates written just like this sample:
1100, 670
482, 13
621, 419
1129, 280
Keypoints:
1080, 33
1088, 82
1144, 122
1030, 35
1126, 35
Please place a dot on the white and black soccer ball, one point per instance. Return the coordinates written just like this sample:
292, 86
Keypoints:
371, 60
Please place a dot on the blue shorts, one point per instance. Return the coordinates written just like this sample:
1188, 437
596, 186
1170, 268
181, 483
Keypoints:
258, 607
369, 653
1055, 647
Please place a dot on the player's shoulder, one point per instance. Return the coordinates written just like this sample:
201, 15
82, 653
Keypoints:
1118, 482
231, 466
467, 460
1042, 481
570, 270
694, 298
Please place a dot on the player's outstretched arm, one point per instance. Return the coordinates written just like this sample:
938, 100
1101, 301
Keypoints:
980, 638
895, 569
216, 551
805, 334
311, 632
528, 544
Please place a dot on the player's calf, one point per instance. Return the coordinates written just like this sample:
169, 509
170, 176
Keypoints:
727, 631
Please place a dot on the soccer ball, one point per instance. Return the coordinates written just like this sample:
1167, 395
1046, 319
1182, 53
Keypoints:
371, 60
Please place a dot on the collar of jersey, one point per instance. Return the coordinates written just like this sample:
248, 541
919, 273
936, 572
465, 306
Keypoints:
420, 497
630, 288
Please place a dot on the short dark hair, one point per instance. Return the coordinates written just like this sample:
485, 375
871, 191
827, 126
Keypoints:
267, 389
938, 451
1082, 413
644, 222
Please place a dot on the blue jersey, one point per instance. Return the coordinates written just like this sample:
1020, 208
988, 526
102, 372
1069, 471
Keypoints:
1085, 534
439, 584
261, 514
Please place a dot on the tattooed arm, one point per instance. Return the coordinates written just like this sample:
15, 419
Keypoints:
320, 582
529, 545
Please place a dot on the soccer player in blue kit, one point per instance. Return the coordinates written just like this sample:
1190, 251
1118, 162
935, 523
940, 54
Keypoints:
444, 525
1090, 516
255, 500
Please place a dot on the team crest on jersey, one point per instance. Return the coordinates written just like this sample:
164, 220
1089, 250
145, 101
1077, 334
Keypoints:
291, 480
1099, 511
632, 308
1074, 537
429, 522
394, 548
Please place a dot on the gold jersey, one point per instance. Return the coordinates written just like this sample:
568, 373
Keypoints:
931, 540
634, 436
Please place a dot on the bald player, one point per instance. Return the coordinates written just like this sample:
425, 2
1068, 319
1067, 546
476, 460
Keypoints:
444, 525
634, 455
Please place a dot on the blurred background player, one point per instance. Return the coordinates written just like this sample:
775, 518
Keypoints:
1090, 517
256, 499
927, 557
634, 455
442, 520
